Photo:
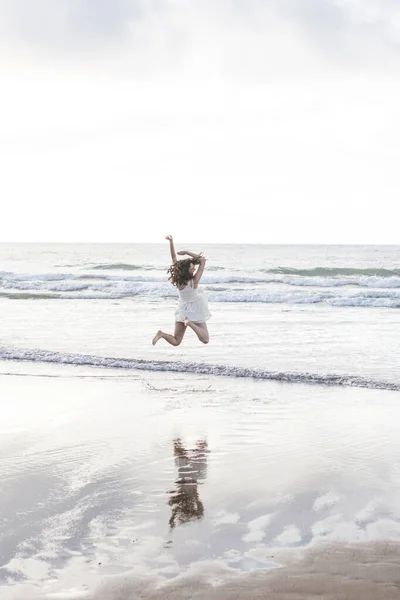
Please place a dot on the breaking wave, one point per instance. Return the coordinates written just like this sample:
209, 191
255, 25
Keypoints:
334, 287
44, 356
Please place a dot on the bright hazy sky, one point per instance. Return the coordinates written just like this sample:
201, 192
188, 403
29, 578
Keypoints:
213, 120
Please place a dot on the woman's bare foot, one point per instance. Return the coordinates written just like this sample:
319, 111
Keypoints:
157, 337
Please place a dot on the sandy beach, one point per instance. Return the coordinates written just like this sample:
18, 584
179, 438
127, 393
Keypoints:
127, 485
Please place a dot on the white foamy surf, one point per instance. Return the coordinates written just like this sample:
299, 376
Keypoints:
357, 291
43, 356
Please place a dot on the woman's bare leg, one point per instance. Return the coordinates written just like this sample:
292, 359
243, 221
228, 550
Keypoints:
200, 330
175, 339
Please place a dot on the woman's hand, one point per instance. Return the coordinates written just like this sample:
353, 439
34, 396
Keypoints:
182, 252
169, 238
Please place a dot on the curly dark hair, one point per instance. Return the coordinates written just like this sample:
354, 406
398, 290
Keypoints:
179, 273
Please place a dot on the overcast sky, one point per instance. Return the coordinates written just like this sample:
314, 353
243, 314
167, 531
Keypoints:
213, 120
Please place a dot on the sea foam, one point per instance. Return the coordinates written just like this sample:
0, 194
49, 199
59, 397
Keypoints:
45, 356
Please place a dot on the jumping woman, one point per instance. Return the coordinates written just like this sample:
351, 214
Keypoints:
193, 310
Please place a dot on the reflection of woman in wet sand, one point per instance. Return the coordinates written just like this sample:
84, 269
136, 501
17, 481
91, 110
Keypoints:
192, 466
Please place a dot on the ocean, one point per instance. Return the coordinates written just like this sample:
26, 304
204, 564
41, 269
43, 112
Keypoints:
132, 471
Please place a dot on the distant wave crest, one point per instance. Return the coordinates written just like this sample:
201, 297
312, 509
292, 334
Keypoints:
121, 267
334, 272
44, 356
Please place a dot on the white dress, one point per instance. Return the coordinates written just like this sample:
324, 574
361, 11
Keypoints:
193, 305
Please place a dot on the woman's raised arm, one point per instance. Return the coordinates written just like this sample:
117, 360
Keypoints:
200, 270
191, 254
171, 247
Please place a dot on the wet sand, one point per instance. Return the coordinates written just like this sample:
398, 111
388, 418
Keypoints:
331, 572
128, 486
